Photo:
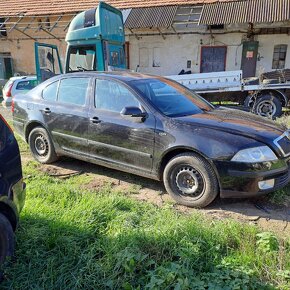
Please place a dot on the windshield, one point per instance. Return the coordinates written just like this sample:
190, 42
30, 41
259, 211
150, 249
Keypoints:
82, 59
171, 98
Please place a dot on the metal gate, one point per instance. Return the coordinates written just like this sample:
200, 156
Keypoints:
213, 59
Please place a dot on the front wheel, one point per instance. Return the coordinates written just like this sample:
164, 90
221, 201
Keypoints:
268, 106
41, 146
6, 239
190, 180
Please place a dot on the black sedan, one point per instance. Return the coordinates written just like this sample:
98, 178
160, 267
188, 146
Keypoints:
154, 127
12, 190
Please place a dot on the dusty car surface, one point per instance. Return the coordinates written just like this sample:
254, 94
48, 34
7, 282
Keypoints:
12, 190
154, 127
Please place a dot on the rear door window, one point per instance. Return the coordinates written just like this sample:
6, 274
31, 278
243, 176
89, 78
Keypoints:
50, 92
73, 90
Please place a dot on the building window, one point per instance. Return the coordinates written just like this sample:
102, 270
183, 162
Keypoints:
279, 56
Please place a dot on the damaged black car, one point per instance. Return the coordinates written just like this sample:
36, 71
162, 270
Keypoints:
154, 127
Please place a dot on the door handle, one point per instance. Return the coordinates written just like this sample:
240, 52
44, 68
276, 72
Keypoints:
47, 110
95, 120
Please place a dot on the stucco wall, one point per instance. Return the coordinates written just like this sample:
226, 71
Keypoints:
154, 54
266, 48
21, 47
175, 52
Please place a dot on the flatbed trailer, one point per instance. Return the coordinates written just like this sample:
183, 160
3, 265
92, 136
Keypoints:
266, 98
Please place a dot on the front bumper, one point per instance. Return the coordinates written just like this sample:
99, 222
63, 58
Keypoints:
240, 180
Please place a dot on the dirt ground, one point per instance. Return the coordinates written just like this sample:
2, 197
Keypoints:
258, 211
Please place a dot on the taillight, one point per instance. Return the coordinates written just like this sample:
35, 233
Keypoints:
9, 90
1, 117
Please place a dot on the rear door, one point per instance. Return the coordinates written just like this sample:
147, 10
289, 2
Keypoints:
113, 138
47, 61
65, 113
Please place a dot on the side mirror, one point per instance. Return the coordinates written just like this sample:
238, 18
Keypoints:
134, 113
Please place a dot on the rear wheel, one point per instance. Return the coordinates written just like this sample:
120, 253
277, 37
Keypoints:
190, 180
41, 146
268, 106
6, 239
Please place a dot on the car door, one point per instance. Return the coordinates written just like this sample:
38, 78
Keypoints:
47, 61
65, 112
115, 139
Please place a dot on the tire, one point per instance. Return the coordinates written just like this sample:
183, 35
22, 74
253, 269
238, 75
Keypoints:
249, 101
268, 106
190, 167
7, 241
41, 146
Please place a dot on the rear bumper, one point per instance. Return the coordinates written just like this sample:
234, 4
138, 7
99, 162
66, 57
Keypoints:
238, 183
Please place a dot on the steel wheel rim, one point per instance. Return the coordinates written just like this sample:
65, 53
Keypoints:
189, 181
266, 108
41, 145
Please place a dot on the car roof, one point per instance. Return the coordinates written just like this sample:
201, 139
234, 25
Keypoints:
125, 76
23, 78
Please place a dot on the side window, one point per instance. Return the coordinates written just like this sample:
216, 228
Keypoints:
49, 93
112, 96
73, 90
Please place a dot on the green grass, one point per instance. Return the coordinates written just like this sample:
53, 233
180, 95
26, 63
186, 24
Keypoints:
73, 239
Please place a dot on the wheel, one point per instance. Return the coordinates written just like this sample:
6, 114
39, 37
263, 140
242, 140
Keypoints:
41, 146
268, 106
6, 239
190, 180
250, 101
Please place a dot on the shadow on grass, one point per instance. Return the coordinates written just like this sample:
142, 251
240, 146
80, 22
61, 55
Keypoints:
124, 249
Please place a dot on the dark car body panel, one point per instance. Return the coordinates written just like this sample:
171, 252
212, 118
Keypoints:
109, 139
12, 188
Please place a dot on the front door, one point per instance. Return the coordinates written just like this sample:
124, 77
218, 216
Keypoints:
249, 58
115, 139
47, 61
213, 59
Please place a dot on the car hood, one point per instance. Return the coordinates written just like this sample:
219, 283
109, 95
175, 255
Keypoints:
236, 122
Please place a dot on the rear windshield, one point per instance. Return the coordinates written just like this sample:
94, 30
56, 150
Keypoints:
26, 85
171, 98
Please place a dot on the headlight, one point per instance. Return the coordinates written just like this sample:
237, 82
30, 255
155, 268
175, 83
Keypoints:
256, 154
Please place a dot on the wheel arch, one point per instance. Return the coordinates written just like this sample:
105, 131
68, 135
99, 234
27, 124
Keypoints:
30, 126
172, 152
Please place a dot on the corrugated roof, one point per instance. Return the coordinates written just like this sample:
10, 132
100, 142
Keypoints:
151, 17
45, 7
253, 11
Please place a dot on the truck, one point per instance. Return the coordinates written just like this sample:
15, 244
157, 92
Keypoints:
263, 97
96, 42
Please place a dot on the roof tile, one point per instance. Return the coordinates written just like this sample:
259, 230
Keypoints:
46, 7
